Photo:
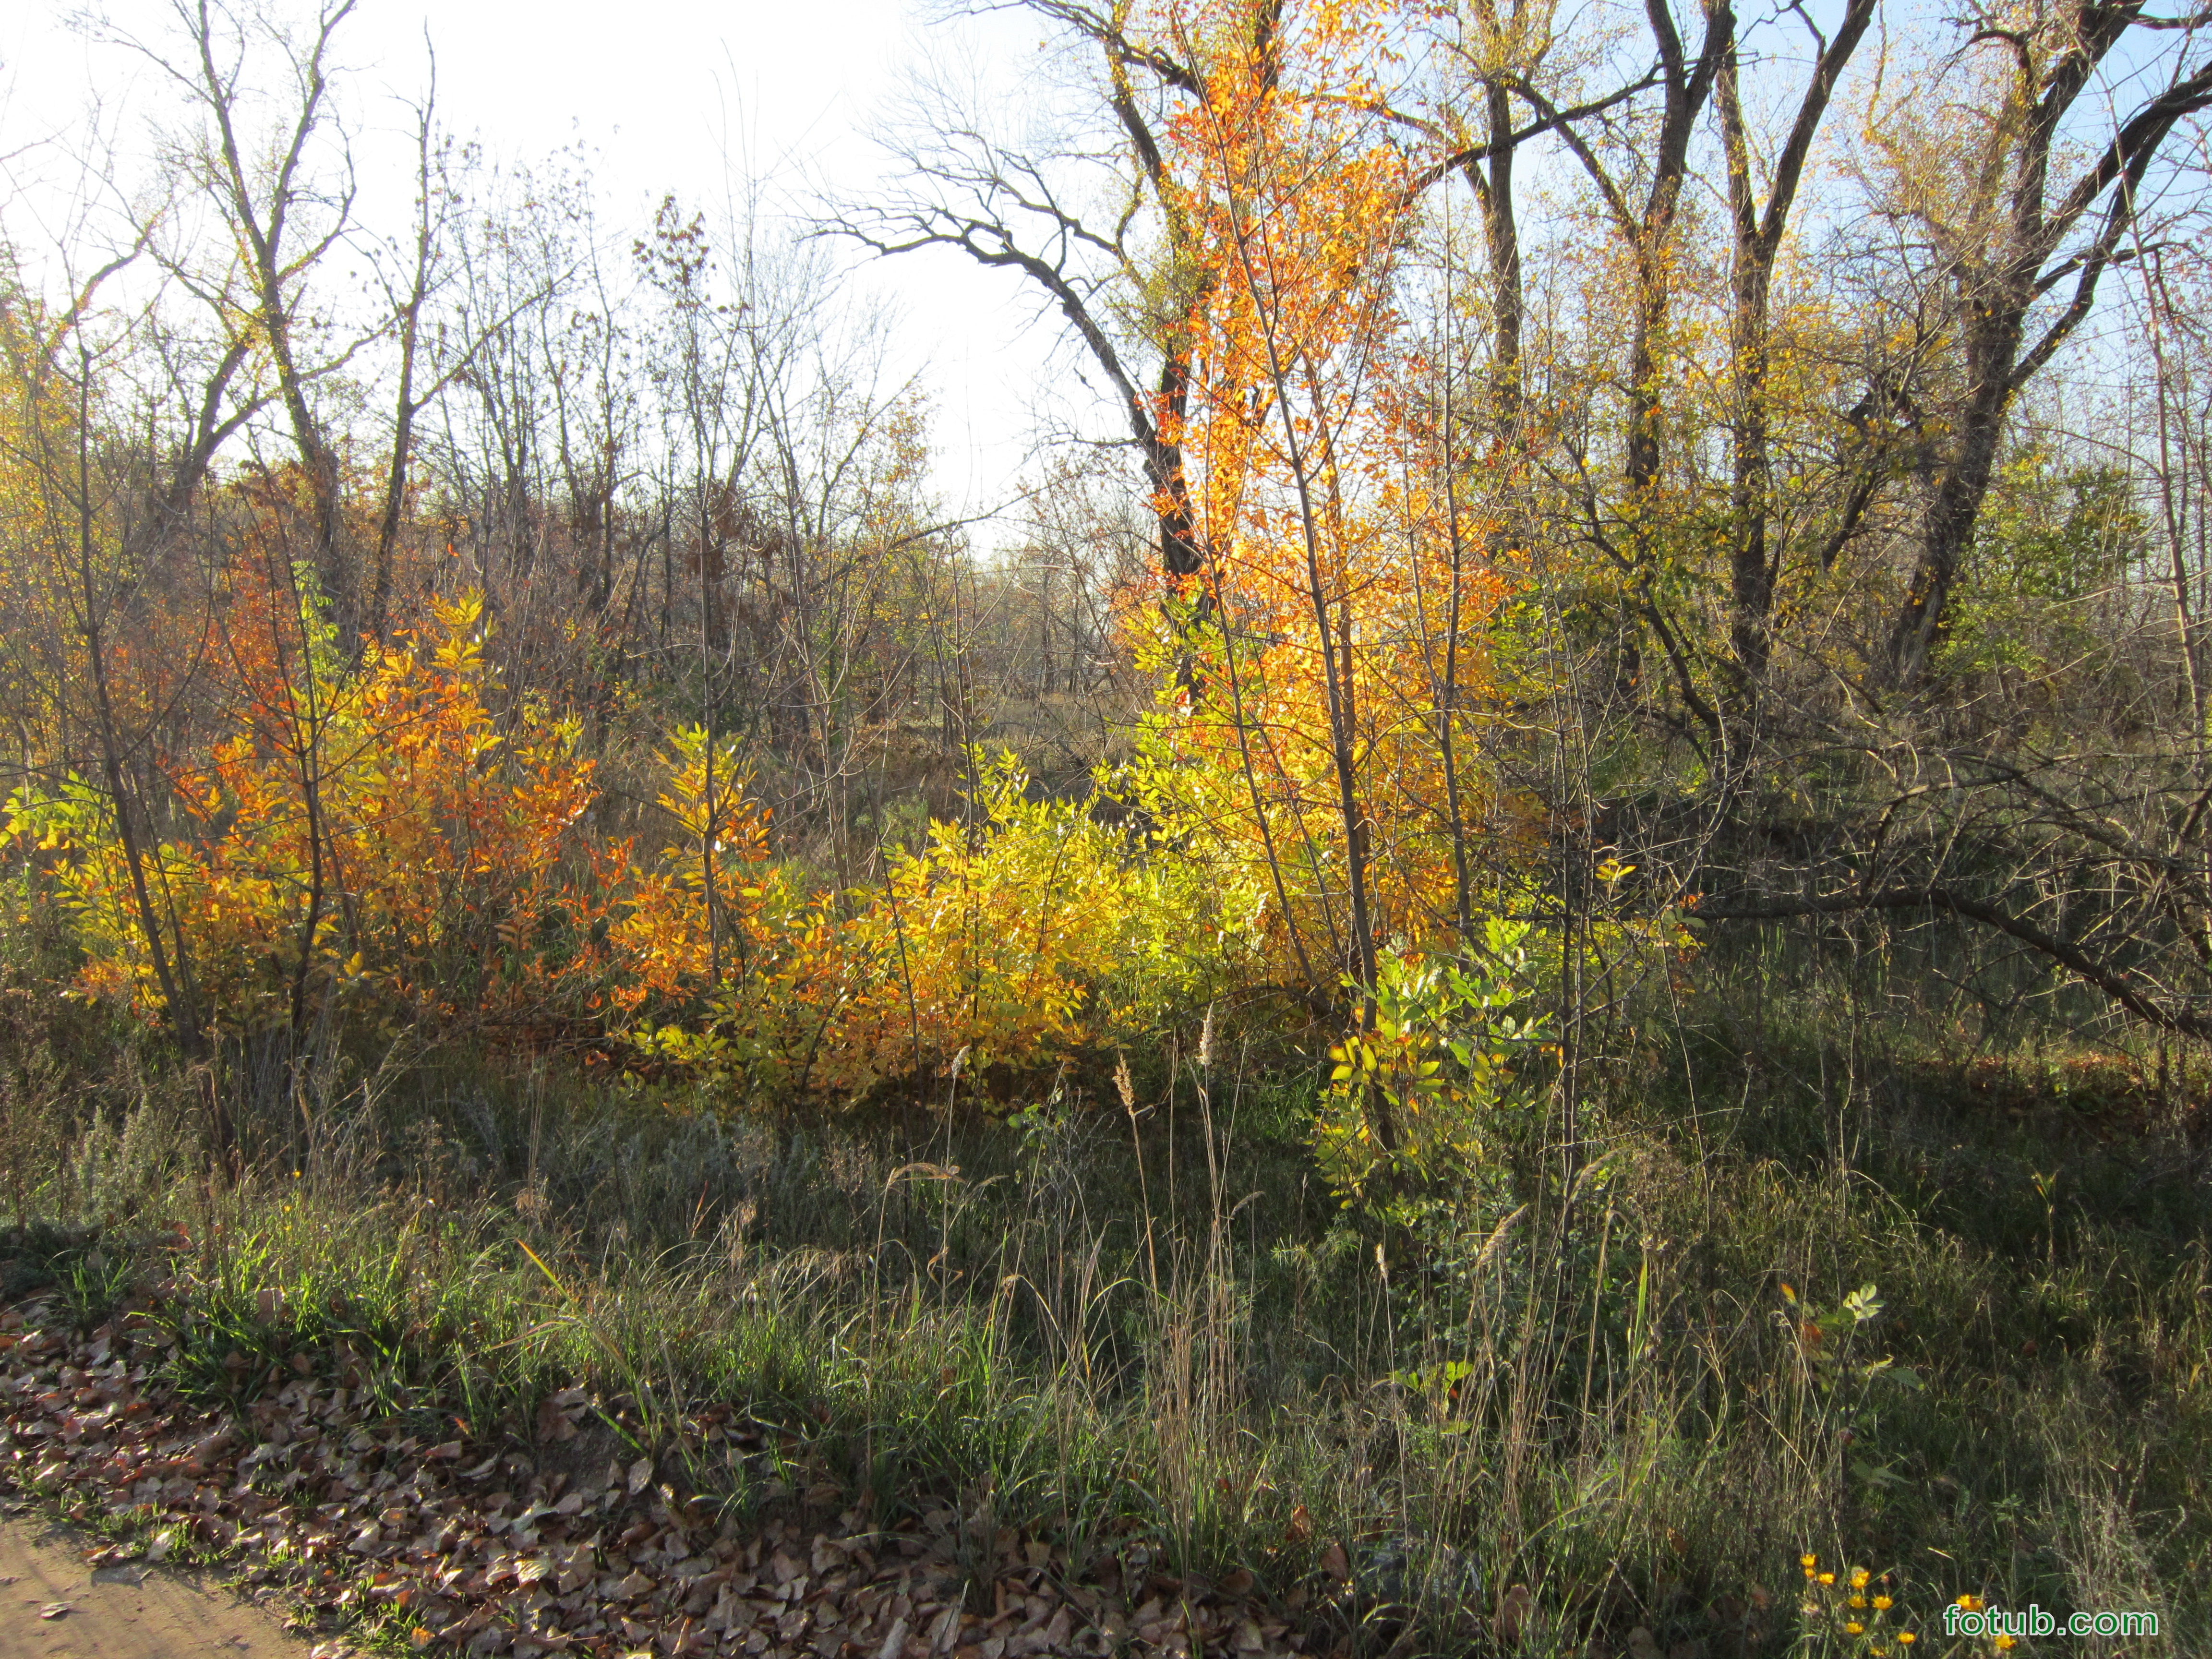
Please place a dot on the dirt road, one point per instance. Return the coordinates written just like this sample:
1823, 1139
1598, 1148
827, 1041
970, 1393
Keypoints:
129, 1611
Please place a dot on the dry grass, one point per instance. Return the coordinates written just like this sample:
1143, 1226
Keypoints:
1137, 1325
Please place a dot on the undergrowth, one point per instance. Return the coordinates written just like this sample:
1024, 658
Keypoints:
1852, 1301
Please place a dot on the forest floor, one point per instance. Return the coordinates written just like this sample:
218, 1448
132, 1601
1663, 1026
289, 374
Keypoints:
394, 1544
528, 1364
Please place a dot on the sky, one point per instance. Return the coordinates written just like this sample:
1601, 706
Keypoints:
665, 93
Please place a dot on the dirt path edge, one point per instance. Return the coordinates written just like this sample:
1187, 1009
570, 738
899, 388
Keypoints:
127, 1610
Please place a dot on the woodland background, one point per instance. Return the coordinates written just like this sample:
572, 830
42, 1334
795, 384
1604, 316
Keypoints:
1543, 947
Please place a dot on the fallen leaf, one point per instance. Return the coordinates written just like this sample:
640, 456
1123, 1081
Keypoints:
639, 1476
54, 1610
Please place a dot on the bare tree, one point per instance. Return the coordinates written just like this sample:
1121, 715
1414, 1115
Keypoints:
1090, 223
286, 203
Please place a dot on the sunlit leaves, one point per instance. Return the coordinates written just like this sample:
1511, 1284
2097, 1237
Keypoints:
1447, 1048
369, 835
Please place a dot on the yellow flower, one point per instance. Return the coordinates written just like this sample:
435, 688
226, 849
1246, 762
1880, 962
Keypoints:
1859, 1576
1907, 1638
1972, 1603
1881, 1604
1855, 1628
1827, 1578
1858, 1601
1808, 1560
2004, 1642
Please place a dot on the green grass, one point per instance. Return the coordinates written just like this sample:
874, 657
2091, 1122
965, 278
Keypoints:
1199, 1363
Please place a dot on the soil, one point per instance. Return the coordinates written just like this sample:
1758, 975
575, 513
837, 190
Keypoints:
127, 1611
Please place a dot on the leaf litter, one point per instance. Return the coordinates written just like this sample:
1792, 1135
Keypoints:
476, 1547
